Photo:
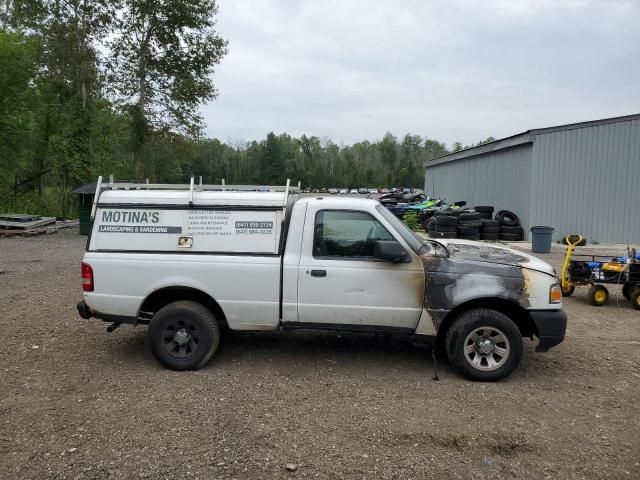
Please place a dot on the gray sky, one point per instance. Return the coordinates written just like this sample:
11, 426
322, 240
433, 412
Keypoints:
450, 70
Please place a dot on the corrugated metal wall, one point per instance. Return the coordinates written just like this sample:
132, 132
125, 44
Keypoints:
501, 179
587, 180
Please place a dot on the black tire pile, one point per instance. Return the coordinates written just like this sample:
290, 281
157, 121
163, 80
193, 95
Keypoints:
510, 229
443, 224
490, 229
476, 224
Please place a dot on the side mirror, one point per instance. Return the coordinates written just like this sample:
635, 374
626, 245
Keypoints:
391, 251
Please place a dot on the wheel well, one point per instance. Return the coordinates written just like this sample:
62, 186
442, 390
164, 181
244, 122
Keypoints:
165, 296
515, 312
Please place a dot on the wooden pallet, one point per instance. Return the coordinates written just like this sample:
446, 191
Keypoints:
26, 225
45, 230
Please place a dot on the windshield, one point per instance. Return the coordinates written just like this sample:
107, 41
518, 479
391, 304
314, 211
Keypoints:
416, 242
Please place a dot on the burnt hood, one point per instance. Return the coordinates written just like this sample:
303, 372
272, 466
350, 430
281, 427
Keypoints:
496, 254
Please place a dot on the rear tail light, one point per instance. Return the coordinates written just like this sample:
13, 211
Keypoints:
87, 277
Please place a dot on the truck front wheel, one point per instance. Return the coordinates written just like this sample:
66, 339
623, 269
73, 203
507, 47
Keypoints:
484, 345
183, 335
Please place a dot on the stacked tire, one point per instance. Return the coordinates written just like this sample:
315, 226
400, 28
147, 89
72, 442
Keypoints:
485, 212
490, 230
510, 229
442, 225
468, 227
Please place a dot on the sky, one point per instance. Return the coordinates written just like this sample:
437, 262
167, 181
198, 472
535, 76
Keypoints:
454, 70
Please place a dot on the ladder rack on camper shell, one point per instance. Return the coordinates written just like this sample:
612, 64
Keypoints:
192, 187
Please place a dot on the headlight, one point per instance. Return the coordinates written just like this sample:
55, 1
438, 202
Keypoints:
555, 294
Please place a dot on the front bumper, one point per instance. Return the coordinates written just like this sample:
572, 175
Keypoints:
551, 326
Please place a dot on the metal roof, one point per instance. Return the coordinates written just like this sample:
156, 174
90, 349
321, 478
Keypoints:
523, 138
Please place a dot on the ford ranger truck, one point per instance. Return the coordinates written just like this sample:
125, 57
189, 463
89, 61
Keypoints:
188, 263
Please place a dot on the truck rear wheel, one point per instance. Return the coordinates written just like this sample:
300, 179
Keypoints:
183, 335
484, 345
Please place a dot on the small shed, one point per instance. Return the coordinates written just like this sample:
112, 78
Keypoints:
85, 195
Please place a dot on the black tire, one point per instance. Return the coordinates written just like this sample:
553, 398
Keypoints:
470, 223
492, 321
510, 237
463, 217
495, 230
197, 328
446, 220
507, 218
490, 223
475, 236
483, 208
635, 298
440, 213
567, 292
598, 295
506, 229
467, 230
485, 215
490, 236
445, 228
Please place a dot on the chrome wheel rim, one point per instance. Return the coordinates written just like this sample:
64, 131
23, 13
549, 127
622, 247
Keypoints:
486, 348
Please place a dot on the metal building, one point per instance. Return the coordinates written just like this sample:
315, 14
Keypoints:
578, 178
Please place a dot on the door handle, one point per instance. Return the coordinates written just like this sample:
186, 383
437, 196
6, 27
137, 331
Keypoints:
318, 273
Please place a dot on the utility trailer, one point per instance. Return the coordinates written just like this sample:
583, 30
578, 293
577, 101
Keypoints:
598, 271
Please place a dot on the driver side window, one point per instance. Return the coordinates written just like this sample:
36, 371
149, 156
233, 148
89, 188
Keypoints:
347, 234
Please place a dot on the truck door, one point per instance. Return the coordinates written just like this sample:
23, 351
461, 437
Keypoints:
339, 281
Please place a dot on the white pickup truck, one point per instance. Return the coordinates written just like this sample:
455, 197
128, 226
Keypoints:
191, 262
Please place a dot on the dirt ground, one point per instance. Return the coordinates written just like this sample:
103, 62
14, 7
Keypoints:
78, 403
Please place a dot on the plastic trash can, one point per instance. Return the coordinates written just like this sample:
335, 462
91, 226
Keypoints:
541, 239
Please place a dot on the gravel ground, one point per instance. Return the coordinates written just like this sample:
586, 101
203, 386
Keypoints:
80, 403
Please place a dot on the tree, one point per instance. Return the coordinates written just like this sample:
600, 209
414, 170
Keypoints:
164, 53
456, 147
60, 124
434, 149
388, 155
272, 161
18, 66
